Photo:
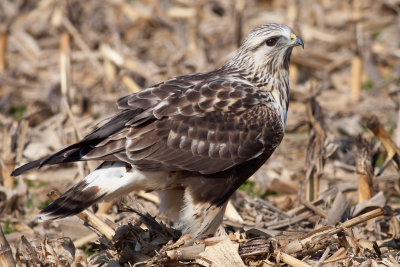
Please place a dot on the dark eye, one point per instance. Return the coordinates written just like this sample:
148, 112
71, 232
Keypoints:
271, 41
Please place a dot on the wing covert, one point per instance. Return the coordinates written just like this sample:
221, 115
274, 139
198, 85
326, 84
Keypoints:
205, 128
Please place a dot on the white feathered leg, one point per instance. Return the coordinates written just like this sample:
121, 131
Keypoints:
200, 218
171, 203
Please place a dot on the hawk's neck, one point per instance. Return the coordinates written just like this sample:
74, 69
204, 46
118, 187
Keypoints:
274, 82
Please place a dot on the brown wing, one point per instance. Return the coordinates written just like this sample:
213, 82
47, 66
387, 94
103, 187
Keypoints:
182, 124
207, 128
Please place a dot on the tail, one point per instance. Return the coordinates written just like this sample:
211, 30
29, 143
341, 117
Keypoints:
76, 151
29, 166
108, 181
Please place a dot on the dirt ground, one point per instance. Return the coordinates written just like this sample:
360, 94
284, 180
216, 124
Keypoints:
329, 195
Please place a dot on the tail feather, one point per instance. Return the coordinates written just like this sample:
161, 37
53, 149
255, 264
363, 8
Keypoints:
59, 157
76, 151
109, 180
72, 202
29, 166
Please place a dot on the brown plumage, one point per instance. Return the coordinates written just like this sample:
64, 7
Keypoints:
199, 136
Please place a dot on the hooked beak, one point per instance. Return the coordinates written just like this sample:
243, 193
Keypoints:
296, 40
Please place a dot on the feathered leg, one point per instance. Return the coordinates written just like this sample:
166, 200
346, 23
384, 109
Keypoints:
171, 203
200, 218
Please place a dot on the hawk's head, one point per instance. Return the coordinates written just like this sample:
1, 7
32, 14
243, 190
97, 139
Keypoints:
266, 48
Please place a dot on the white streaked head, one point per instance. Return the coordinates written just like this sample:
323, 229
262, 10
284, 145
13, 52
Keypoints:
267, 46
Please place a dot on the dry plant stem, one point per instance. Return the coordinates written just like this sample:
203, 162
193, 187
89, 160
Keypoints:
356, 71
109, 69
323, 257
22, 140
6, 167
239, 7
292, 15
183, 13
66, 82
193, 45
338, 255
65, 66
356, 61
84, 240
7, 164
130, 83
292, 12
186, 253
77, 132
396, 227
390, 146
81, 43
286, 258
6, 257
300, 209
116, 58
314, 208
148, 196
91, 219
132, 12
315, 149
66, 79
285, 222
314, 238
104, 207
336, 259
364, 170
3, 50
398, 126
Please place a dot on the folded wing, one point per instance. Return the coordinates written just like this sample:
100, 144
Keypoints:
182, 124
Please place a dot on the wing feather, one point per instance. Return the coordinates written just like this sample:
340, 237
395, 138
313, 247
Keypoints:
206, 128
187, 123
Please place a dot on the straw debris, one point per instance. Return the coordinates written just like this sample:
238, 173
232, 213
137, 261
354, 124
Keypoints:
329, 195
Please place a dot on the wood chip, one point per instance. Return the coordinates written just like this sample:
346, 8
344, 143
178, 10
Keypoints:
223, 253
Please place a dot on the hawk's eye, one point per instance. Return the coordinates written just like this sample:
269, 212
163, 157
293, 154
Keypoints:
271, 41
